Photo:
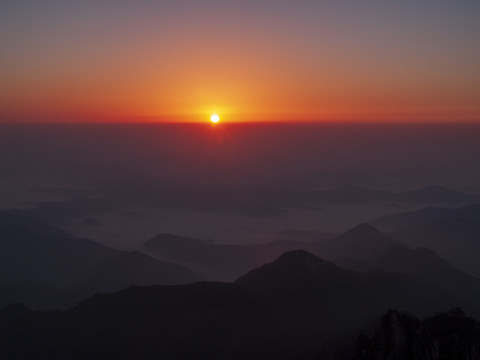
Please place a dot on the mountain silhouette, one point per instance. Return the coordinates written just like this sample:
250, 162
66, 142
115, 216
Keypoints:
362, 242
35, 253
286, 309
18, 219
293, 270
423, 265
300, 272
456, 239
135, 268
227, 262
224, 262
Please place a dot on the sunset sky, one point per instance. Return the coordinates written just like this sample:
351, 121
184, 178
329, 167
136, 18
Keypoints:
249, 60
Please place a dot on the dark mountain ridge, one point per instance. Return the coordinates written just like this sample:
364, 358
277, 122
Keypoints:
423, 265
224, 262
227, 262
363, 242
300, 272
456, 239
36, 253
308, 302
297, 269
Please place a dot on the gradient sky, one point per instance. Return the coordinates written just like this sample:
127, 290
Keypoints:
377, 60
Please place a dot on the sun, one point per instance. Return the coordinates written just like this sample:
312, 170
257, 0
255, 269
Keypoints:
214, 118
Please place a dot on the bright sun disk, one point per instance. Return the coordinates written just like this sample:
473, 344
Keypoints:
215, 118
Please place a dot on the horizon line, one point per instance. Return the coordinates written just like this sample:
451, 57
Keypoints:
259, 122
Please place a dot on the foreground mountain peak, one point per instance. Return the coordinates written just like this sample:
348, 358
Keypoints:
303, 260
292, 269
298, 256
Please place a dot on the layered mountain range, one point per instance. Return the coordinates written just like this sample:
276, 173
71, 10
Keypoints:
284, 300
47, 267
287, 309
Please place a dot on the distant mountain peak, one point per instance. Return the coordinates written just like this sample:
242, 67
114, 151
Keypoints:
363, 242
364, 230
